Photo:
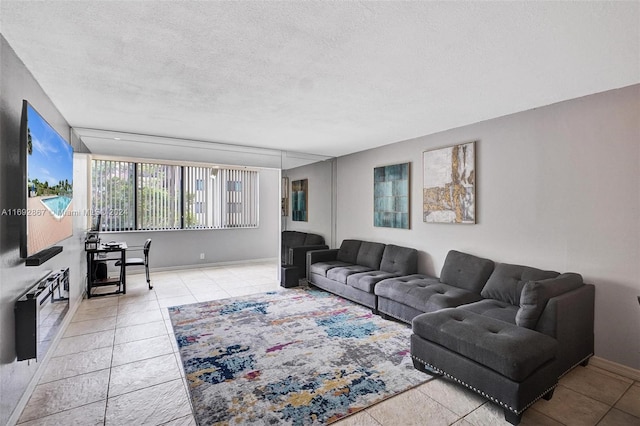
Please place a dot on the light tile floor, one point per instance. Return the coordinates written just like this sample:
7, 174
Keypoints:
118, 364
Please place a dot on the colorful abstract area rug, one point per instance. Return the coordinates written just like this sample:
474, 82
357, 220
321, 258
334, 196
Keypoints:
294, 357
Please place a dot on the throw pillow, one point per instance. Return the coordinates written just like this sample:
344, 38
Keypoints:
507, 281
536, 294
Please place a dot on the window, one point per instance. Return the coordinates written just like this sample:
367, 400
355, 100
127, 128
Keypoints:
148, 196
220, 198
159, 196
113, 194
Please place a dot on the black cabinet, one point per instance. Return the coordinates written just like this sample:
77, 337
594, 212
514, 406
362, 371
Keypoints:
39, 314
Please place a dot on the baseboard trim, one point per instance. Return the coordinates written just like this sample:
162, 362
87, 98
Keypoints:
614, 367
203, 265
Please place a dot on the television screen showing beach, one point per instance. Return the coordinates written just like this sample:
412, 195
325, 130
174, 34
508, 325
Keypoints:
49, 185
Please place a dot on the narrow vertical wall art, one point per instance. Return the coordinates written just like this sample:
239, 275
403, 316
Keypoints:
449, 190
284, 202
391, 196
299, 197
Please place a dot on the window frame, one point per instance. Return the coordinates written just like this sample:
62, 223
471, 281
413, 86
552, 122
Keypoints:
182, 171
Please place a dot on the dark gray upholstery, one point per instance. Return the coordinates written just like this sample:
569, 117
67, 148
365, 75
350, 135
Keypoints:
510, 347
503, 347
536, 294
294, 247
366, 281
514, 396
370, 255
323, 267
508, 333
340, 274
423, 293
507, 281
399, 260
313, 240
569, 318
466, 271
291, 239
493, 309
348, 252
360, 266
463, 276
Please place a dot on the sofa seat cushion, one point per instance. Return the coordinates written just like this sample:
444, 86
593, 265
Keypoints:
493, 309
341, 273
424, 293
366, 281
321, 268
512, 351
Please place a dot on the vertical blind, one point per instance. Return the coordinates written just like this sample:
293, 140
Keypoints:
160, 196
240, 207
113, 194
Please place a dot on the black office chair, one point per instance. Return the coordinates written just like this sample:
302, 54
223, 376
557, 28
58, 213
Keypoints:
138, 261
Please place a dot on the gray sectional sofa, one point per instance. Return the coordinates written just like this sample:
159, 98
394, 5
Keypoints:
508, 332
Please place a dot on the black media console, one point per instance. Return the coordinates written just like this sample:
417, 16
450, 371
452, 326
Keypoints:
39, 314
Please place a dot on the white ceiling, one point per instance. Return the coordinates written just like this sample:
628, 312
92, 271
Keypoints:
327, 78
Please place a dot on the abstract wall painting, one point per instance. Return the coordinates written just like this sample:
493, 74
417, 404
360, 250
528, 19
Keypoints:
449, 189
299, 198
391, 196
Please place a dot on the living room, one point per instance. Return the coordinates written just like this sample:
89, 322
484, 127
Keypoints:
557, 176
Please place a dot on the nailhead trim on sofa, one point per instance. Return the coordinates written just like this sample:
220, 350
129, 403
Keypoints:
491, 398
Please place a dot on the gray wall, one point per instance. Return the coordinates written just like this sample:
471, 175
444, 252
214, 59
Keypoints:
558, 188
182, 248
16, 84
320, 199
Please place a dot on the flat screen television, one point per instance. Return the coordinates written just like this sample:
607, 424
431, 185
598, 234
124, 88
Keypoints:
47, 164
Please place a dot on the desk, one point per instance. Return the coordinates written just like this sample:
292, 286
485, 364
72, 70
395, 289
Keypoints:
121, 281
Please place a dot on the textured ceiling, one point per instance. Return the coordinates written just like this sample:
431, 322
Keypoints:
326, 78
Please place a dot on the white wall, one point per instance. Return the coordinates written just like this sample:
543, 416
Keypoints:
558, 188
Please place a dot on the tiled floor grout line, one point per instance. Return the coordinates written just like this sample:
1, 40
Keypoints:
613, 405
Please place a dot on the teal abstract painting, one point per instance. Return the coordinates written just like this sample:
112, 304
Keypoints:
391, 196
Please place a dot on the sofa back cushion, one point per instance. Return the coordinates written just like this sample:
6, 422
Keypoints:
507, 281
370, 254
291, 239
348, 251
399, 260
536, 294
313, 240
466, 271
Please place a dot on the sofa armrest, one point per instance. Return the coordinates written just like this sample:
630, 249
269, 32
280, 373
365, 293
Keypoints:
326, 255
569, 318
298, 256
315, 256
